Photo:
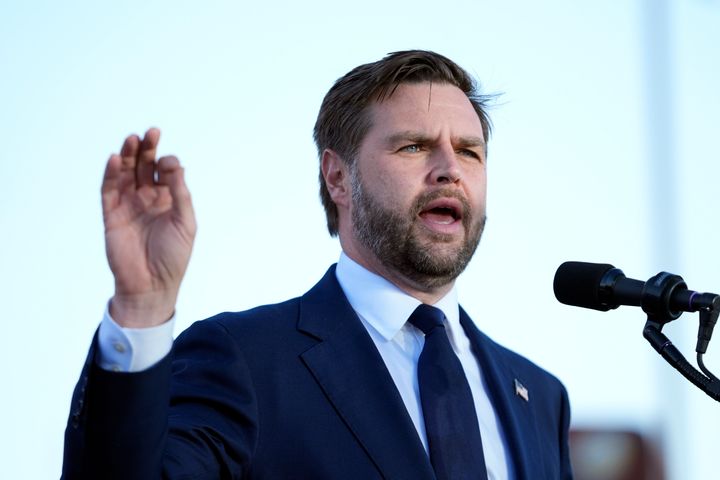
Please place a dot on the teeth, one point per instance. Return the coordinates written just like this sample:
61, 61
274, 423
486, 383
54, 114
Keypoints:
439, 217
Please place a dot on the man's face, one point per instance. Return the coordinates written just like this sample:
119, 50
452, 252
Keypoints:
418, 185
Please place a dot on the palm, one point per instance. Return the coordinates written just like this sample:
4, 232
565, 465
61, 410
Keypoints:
146, 244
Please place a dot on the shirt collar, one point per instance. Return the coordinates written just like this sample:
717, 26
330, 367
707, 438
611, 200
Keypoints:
380, 303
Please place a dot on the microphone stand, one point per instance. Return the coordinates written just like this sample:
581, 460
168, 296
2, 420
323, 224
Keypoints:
656, 303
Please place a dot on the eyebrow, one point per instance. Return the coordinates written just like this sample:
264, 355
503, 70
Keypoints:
407, 136
466, 142
422, 138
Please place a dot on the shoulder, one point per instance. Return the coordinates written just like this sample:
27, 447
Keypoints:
521, 364
263, 316
527, 368
546, 395
313, 313
265, 321
513, 363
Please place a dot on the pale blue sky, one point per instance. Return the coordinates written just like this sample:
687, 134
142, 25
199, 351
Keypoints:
235, 87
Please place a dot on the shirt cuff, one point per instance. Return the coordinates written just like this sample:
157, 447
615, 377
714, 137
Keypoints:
132, 349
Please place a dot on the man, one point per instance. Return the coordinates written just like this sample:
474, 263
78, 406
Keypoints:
343, 382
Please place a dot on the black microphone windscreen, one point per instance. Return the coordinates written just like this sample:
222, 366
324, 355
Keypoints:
578, 284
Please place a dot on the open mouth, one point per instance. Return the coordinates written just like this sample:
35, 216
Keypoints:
443, 211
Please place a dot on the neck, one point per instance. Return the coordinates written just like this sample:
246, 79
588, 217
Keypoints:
423, 293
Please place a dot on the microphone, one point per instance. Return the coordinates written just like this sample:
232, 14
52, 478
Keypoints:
601, 286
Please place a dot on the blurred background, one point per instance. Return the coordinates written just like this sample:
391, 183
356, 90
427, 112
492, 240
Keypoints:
605, 150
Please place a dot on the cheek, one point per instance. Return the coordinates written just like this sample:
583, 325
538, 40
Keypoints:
393, 187
395, 196
477, 189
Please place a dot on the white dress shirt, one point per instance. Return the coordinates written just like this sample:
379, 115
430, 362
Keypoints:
383, 309
132, 349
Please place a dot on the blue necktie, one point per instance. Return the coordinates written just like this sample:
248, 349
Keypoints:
451, 423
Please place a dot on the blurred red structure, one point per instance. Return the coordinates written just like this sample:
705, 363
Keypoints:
614, 455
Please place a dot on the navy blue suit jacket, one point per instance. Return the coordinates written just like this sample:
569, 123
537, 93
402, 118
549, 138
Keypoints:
295, 390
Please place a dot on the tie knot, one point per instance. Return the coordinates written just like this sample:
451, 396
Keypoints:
426, 317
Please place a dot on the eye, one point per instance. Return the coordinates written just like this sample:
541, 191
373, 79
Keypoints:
414, 148
469, 153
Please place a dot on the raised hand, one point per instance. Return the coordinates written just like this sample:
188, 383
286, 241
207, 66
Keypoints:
149, 231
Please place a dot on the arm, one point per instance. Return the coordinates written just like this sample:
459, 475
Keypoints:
193, 415
149, 232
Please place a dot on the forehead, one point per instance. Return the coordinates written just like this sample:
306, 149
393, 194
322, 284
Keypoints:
427, 107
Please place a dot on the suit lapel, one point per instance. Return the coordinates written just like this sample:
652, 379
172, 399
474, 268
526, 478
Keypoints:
351, 372
513, 411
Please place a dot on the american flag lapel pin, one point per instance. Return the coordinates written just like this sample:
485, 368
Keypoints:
521, 391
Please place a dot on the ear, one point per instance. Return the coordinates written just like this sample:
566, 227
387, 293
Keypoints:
337, 179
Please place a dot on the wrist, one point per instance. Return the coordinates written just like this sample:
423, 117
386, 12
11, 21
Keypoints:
141, 310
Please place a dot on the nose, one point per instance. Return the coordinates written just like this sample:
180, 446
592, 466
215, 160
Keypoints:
445, 166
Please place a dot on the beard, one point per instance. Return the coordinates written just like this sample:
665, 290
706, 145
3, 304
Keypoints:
394, 237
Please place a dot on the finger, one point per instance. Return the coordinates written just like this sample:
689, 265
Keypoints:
128, 152
145, 170
110, 190
170, 173
116, 180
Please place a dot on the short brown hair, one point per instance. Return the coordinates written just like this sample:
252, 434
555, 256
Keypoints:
343, 120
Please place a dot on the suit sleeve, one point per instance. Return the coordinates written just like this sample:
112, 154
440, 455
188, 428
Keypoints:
193, 415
